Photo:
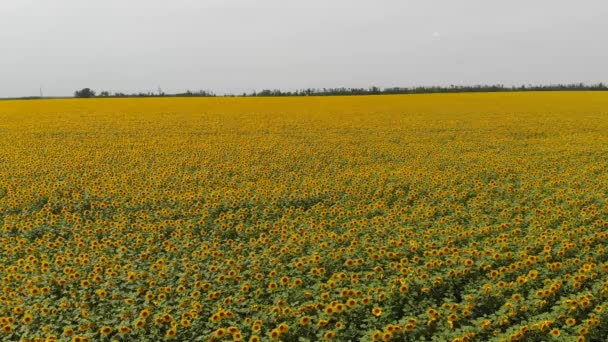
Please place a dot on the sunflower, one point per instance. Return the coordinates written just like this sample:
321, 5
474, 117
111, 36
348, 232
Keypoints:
329, 335
283, 328
275, 334
171, 333
305, 320
219, 333
139, 324
105, 330
68, 331
27, 319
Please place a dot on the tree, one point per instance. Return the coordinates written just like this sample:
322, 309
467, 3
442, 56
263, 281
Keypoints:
84, 93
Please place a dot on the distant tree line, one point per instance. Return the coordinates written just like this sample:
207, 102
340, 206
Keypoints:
425, 90
84, 93
88, 93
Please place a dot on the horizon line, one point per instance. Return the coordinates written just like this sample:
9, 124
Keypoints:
338, 91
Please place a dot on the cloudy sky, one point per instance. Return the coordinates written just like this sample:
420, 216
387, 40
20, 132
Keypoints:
241, 45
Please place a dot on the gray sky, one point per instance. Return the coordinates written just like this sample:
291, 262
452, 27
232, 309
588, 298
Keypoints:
241, 45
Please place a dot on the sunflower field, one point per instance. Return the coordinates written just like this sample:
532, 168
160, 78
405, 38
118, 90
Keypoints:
454, 217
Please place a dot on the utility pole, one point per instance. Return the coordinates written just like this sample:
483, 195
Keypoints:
40, 91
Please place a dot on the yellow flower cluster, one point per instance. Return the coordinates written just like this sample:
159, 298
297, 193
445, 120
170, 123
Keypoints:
457, 217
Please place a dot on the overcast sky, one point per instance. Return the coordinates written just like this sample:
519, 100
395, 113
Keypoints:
241, 45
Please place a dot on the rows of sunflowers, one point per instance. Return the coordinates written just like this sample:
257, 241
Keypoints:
460, 217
